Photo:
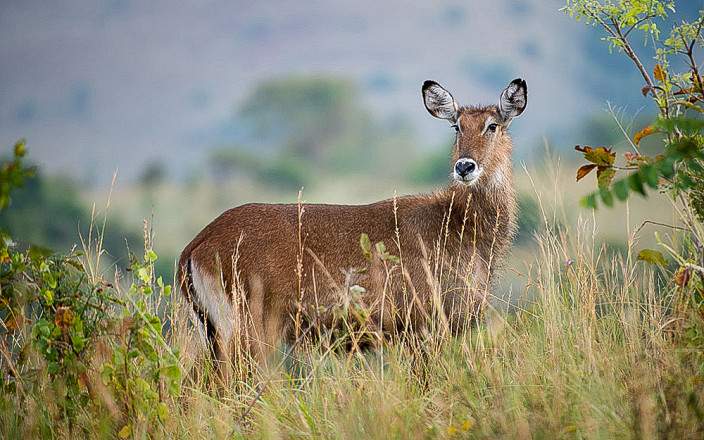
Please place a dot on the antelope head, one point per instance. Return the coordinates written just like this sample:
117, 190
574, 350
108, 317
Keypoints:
482, 148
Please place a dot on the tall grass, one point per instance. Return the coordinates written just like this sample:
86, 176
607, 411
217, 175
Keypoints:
593, 353
599, 345
596, 347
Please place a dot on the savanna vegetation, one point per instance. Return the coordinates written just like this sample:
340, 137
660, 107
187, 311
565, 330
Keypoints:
596, 329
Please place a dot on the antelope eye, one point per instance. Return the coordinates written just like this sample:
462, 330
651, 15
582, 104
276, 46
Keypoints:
492, 127
456, 127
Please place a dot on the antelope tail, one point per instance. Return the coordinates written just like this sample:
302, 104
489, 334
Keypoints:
211, 309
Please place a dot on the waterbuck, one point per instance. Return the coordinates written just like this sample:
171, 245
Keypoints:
260, 273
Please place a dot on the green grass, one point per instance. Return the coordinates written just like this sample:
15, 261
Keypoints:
595, 345
593, 354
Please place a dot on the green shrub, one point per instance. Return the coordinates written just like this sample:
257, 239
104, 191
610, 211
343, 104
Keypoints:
55, 311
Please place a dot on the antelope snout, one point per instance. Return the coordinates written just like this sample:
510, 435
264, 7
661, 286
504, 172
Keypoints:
466, 170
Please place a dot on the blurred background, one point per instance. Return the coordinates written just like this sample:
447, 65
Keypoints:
206, 105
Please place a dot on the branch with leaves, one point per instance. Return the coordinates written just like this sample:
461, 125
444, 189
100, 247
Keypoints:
677, 168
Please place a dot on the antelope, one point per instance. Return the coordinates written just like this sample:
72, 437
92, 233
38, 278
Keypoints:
271, 261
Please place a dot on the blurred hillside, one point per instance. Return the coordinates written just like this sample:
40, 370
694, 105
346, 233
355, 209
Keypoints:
103, 85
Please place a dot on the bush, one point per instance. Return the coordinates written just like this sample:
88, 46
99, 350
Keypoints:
56, 312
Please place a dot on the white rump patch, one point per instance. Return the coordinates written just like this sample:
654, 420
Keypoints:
210, 296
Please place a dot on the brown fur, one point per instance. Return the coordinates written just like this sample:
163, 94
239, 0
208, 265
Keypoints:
264, 239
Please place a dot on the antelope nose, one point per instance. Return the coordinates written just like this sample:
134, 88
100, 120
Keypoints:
465, 166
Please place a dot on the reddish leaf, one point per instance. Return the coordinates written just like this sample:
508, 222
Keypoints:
14, 323
685, 91
682, 276
647, 131
659, 73
584, 170
64, 318
631, 158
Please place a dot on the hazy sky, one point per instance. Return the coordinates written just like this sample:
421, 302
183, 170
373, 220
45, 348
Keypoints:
99, 85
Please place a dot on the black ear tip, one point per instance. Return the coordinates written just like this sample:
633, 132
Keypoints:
428, 83
521, 82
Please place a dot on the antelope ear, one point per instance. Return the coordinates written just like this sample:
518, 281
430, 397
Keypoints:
439, 101
513, 99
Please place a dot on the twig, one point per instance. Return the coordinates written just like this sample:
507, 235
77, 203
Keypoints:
617, 33
642, 225
632, 55
630, 29
694, 267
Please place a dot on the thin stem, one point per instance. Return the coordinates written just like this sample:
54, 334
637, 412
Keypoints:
616, 32
623, 130
630, 29
690, 55
634, 57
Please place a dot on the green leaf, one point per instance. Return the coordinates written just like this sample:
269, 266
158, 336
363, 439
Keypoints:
600, 156
685, 147
685, 182
150, 256
684, 124
172, 372
144, 344
667, 167
621, 189
635, 183
649, 174
162, 411
48, 296
604, 176
381, 248
653, 257
366, 246
20, 148
125, 432
53, 367
77, 335
696, 166
143, 274
106, 372
588, 201
50, 279
606, 197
